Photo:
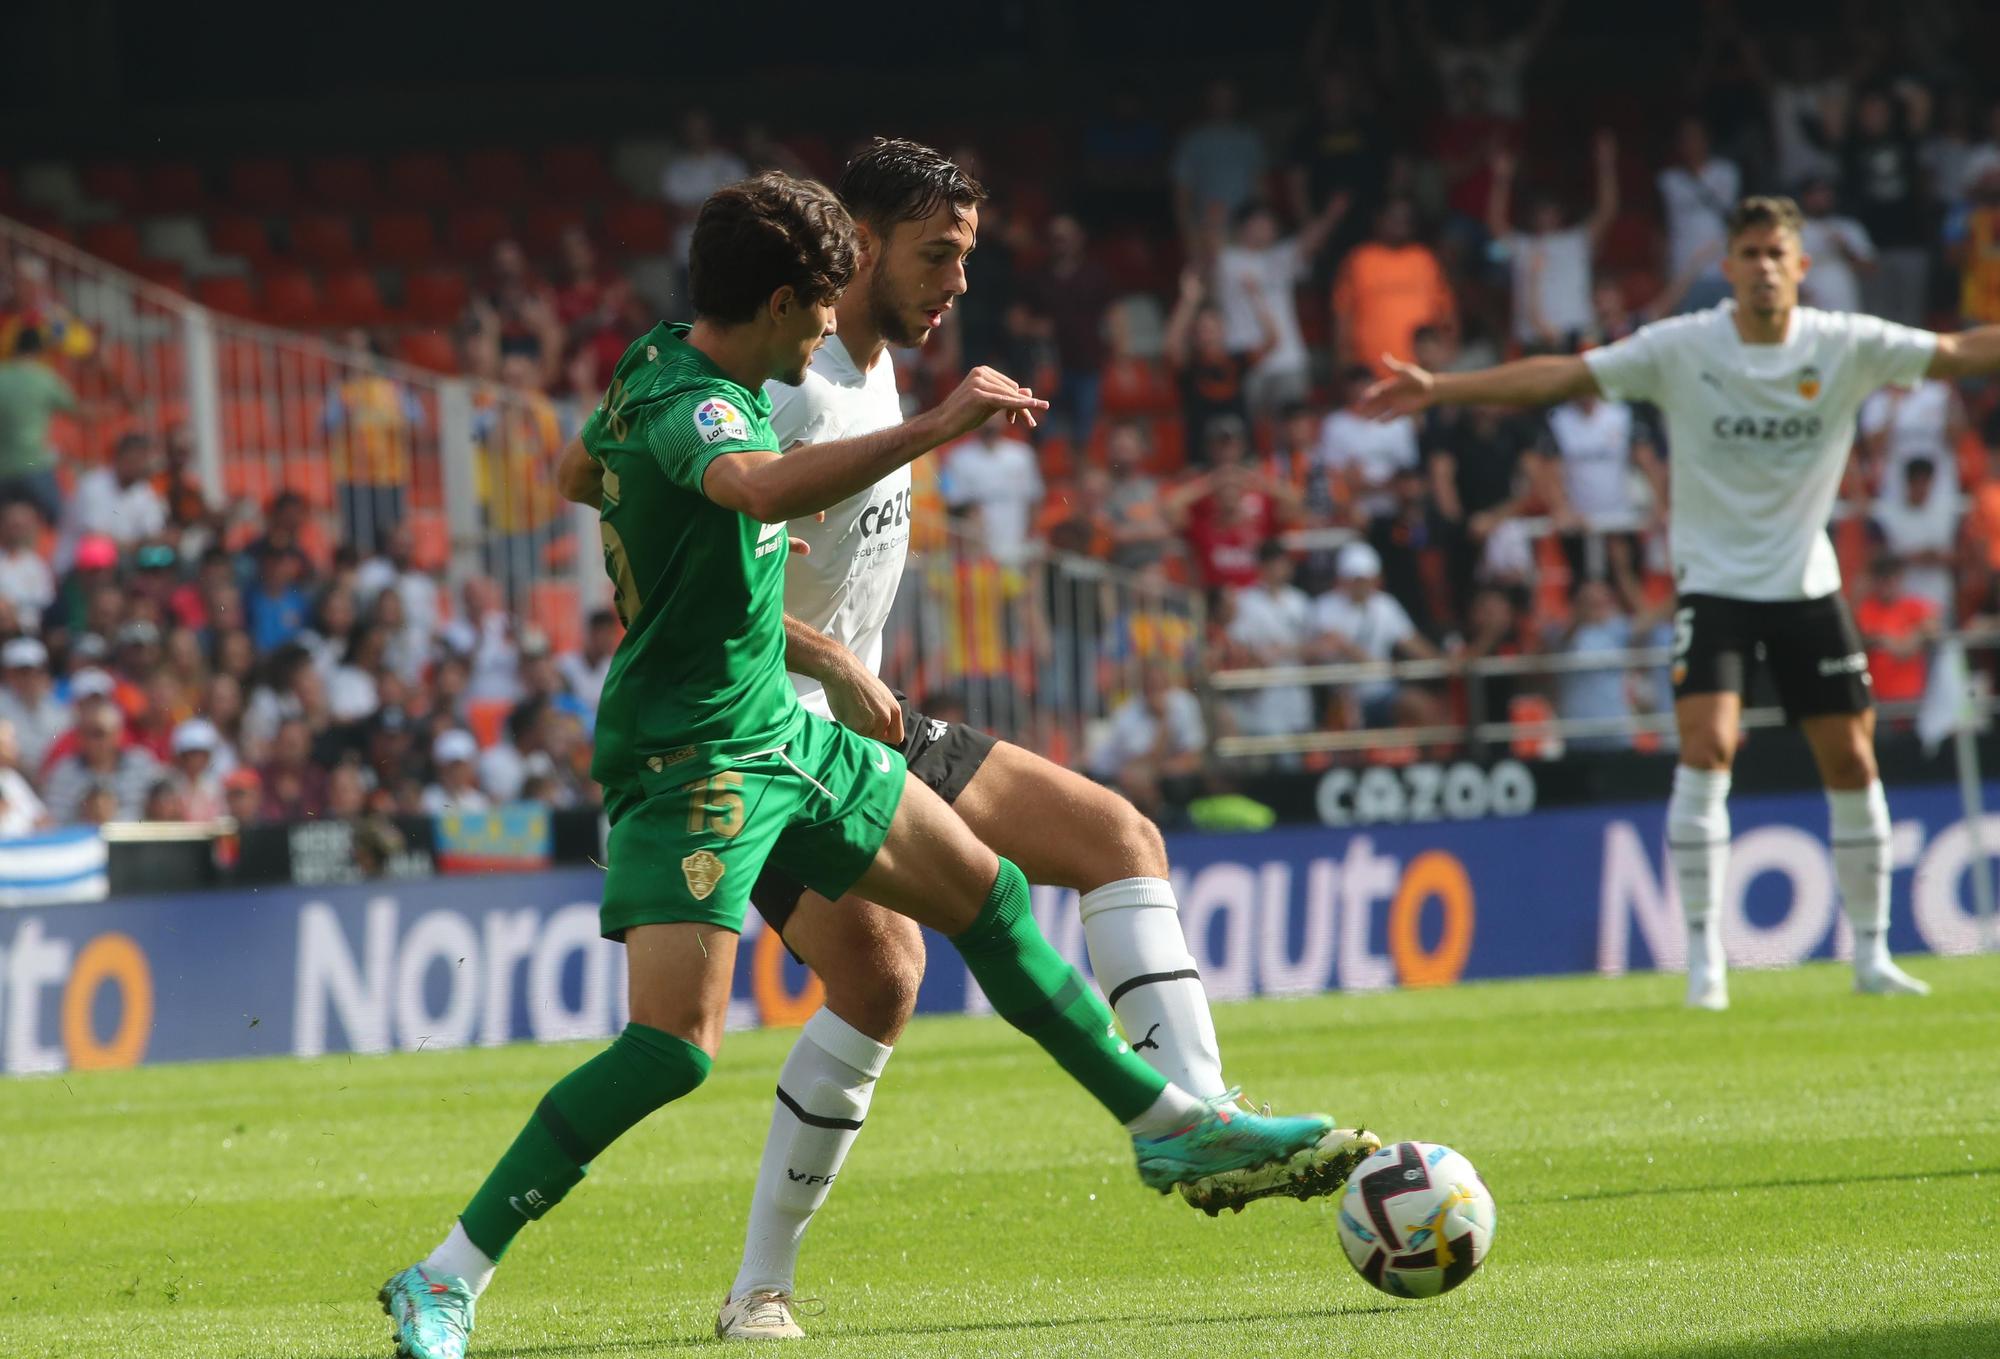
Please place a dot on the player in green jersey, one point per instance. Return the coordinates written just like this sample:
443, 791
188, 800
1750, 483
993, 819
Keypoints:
711, 768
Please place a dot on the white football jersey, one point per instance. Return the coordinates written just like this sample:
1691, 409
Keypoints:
845, 585
1757, 437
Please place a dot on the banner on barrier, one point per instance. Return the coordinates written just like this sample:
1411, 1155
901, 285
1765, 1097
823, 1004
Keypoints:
446, 962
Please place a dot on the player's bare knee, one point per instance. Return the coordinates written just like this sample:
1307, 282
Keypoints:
1134, 849
878, 1001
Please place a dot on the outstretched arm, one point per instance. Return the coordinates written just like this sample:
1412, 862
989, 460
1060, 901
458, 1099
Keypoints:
1605, 211
1545, 381
772, 489
1966, 353
860, 701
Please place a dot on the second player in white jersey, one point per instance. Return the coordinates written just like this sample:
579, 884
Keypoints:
845, 585
1759, 436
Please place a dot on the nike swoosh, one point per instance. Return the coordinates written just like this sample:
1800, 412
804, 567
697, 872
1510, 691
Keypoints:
883, 762
514, 1202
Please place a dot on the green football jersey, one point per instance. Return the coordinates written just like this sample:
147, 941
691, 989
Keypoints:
699, 680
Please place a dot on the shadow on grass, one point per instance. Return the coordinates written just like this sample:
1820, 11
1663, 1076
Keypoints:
1801, 1182
915, 1330
1968, 1339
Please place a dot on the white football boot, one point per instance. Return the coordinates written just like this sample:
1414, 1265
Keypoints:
760, 1314
1882, 977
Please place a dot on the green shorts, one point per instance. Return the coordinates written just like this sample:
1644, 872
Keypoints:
682, 851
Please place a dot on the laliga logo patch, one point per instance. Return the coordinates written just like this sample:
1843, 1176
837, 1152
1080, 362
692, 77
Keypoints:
702, 870
1808, 383
716, 420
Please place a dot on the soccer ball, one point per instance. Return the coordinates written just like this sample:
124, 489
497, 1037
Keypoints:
1416, 1220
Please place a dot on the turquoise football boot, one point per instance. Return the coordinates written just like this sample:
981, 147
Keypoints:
1225, 1137
432, 1312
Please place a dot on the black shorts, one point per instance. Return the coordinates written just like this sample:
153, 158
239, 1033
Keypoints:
1811, 646
943, 755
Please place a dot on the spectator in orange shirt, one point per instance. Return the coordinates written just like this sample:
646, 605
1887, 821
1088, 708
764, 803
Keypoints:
1387, 288
1898, 628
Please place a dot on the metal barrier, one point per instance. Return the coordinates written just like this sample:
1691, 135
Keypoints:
1477, 730
247, 412
1040, 653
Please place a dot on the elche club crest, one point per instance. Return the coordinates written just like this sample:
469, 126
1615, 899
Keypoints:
716, 420
1809, 382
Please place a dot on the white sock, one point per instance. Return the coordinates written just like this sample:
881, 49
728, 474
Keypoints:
823, 1095
458, 1257
1698, 844
1141, 960
1860, 835
1167, 1115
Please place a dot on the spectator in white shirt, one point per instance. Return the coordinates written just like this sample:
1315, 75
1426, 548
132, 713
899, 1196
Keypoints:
998, 475
1552, 259
1924, 420
26, 581
485, 638
195, 743
1839, 248
1364, 453
1152, 747
1597, 448
1499, 60
118, 501
418, 590
21, 812
1918, 522
696, 170
457, 787
1256, 280
1357, 621
585, 672
1273, 626
129, 772
1699, 190
29, 700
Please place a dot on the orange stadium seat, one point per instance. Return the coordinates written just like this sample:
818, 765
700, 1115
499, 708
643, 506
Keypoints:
247, 426
290, 298
345, 182
114, 181
226, 293
486, 716
174, 186
497, 175
114, 242
421, 179
431, 540
242, 364
575, 172
324, 240
402, 237
545, 225
471, 232
353, 299
251, 479
310, 475
240, 234
430, 349
435, 297
638, 228
264, 184
555, 608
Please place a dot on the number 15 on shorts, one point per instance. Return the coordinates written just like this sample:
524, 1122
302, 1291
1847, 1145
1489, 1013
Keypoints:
714, 804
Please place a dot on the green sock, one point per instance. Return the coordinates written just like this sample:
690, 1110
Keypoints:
583, 1113
1033, 989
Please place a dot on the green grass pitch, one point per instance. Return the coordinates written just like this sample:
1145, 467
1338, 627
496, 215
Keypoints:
1813, 1173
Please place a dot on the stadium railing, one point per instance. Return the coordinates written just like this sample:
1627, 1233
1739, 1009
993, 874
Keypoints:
368, 443
1545, 731
1040, 652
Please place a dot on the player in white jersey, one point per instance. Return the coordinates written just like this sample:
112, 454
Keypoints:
1760, 396
917, 216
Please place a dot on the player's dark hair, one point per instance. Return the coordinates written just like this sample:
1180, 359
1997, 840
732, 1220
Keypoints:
1765, 210
896, 181
765, 233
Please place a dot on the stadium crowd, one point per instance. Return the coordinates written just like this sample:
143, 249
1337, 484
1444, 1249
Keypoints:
1203, 304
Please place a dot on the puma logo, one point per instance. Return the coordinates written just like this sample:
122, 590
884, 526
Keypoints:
1148, 1041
